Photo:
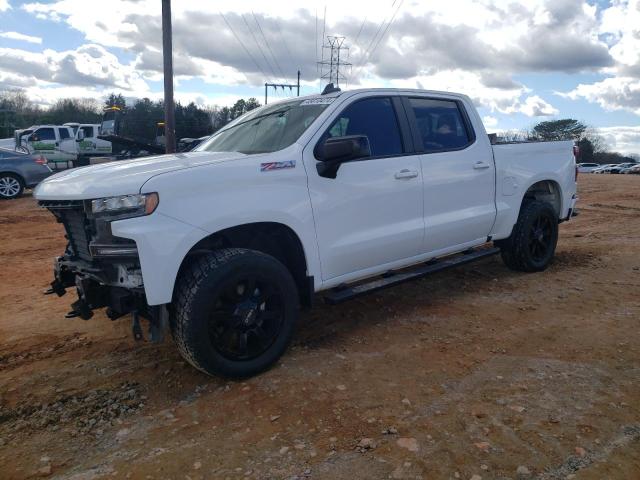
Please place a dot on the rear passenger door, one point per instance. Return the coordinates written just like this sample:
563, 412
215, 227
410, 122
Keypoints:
370, 214
459, 174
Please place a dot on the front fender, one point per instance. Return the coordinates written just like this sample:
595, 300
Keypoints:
212, 198
162, 244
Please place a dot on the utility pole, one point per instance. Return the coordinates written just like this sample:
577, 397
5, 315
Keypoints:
283, 86
330, 69
167, 54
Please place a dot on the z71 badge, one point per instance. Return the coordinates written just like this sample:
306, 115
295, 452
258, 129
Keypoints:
265, 167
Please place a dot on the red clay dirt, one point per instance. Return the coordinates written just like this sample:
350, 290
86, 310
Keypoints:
478, 372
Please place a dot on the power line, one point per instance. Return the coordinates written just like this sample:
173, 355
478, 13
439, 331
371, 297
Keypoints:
243, 45
266, 60
369, 52
268, 46
355, 42
286, 47
388, 25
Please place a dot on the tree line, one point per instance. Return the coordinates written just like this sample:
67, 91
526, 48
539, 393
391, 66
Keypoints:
141, 118
593, 148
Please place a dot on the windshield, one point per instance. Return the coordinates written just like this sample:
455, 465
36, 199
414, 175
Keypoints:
266, 129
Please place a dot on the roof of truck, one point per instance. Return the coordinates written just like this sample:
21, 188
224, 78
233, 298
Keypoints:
378, 90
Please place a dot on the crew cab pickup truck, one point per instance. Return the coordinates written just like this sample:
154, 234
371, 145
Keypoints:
64, 146
343, 193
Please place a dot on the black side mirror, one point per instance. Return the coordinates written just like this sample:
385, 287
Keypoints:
338, 150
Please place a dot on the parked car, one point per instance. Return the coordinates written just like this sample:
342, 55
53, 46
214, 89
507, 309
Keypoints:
321, 193
620, 167
628, 167
588, 167
604, 168
633, 170
19, 171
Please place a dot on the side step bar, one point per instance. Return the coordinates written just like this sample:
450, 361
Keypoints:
340, 294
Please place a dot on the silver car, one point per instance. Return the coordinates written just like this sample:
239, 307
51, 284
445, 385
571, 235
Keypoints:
19, 171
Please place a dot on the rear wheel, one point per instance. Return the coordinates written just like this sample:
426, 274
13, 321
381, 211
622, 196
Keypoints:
11, 186
532, 243
235, 311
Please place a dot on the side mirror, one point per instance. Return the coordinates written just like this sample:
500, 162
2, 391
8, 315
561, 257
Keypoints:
33, 138
79, 135
338, 150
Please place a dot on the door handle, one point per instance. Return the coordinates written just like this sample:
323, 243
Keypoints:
480, 165
404, 173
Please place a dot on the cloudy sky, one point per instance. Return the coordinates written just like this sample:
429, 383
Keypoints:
521, 62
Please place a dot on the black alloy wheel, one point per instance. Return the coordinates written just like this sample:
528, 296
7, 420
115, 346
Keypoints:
247, 318
234, 312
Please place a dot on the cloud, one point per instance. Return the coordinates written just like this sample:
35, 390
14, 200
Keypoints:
434, 44
21, 37
512, 100
615, 93
4, 5
489, 121
534, 106
624, 139
621, 26
88, 65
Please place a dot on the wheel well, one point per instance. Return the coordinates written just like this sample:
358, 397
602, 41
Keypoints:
546, 191
275, 239
17, 175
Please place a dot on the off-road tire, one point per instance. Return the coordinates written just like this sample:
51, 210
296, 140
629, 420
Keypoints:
198, 289
13, 188
516, 250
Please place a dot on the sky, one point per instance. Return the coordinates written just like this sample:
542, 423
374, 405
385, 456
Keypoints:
521, 62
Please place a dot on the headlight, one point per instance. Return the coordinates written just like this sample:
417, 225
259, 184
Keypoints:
133, 205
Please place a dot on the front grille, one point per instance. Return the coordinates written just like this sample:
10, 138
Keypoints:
76, 224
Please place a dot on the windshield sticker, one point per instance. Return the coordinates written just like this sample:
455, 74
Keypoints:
318, 101
265, 167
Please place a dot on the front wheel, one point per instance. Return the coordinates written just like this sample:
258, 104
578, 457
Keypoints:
11, 186
532, 243
235, 311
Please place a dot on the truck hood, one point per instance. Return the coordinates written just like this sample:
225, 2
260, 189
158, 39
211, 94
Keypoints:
121, 177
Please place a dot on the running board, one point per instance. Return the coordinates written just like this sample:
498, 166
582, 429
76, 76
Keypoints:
394, 277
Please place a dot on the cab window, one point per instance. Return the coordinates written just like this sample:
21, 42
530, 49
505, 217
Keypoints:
440, 124
374, 117
88, 131
45, 134
64, 133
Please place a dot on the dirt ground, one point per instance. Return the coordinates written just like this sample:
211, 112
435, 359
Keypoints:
477, 372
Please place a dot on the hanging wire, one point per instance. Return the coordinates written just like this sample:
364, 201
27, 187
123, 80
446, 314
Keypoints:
243, 46
255, 40
275, 60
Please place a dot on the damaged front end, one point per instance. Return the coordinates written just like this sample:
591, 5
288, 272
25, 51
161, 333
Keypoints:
104, 269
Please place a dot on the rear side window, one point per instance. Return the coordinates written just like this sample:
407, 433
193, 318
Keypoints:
45, 134
64, 133
440, 124
88, 131
375, 118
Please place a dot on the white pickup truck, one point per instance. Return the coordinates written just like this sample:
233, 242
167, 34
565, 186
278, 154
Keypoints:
344, 193
64, 146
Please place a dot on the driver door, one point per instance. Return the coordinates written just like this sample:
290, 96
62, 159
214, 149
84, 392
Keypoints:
43, 141
370, 215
